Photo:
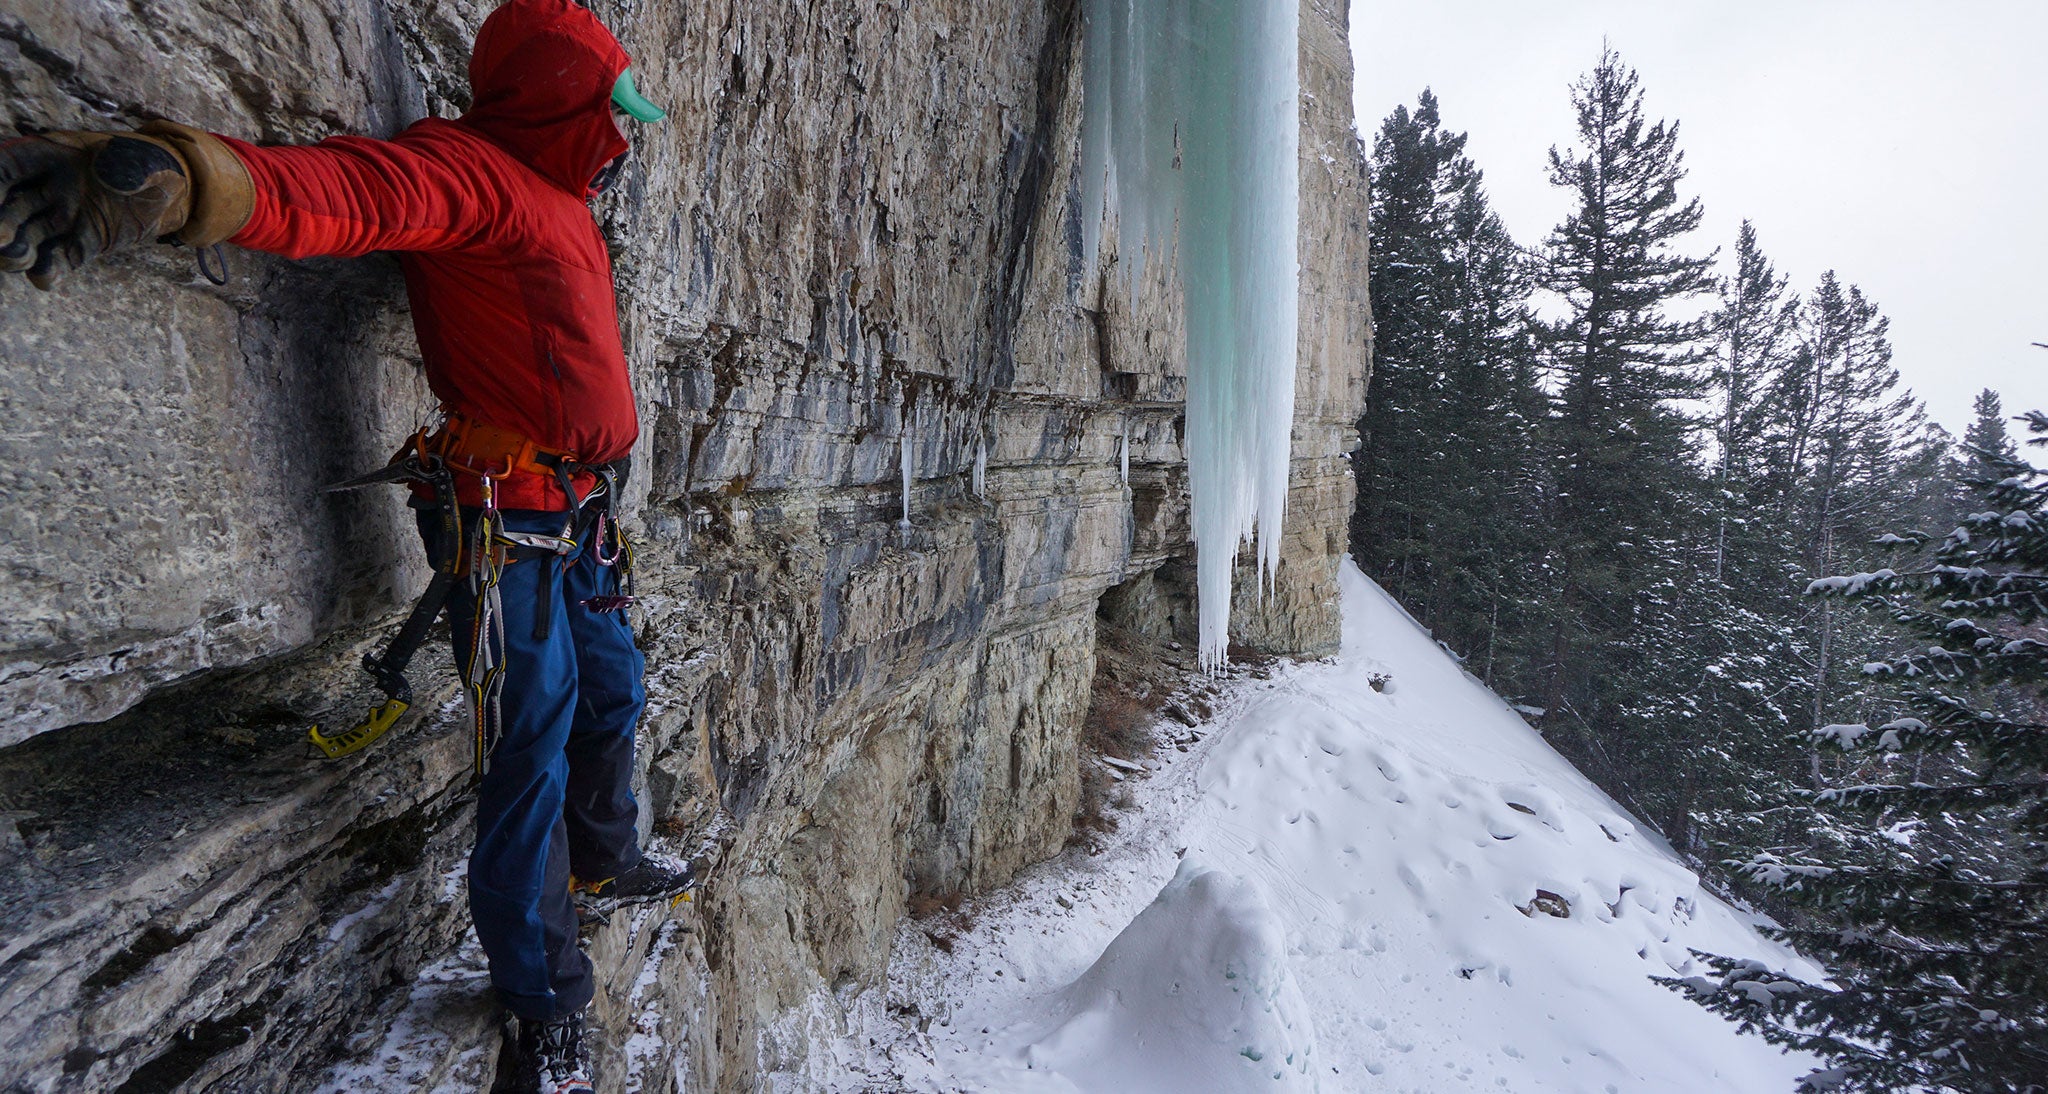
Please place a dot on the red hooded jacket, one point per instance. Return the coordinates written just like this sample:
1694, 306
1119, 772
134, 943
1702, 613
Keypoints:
510, 284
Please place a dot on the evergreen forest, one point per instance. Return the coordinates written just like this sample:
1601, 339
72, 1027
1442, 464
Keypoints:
1684, 515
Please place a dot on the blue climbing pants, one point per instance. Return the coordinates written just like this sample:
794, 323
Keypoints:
557, 797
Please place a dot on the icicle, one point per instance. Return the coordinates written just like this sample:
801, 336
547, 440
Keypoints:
980, 467
1123, 459
1190, 138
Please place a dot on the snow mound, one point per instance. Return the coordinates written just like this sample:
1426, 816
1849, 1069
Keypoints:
1196, 994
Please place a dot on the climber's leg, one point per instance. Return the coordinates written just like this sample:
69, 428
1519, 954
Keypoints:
519, 870
600, 811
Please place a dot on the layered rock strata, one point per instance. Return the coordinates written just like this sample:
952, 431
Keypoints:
853, 244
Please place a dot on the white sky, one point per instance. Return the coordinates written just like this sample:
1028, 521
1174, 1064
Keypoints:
1902, 143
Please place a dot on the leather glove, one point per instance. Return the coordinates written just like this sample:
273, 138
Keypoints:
73, 196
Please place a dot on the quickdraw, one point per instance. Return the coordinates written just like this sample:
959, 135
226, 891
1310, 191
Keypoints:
484, 678
612, 549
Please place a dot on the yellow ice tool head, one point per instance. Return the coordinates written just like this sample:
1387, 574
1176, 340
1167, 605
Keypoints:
382, 718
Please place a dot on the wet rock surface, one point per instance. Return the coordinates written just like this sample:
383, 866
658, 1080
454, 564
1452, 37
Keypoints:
856, 231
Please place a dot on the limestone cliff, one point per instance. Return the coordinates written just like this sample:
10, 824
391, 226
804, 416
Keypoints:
858, 227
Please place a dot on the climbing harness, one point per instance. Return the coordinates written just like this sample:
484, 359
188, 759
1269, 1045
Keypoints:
477, 551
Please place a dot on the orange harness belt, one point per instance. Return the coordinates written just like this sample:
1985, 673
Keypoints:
491, 452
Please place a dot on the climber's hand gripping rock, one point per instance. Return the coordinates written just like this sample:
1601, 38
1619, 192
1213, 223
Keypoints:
72, 196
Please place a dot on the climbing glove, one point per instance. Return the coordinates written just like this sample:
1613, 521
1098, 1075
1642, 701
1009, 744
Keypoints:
72, 196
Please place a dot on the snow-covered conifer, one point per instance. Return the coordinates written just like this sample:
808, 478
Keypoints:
1932, 911
1449, 487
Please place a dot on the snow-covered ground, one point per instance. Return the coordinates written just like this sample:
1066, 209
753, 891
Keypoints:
1338, 888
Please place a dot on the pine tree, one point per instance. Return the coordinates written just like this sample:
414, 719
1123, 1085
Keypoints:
1933, 478
1397, 463
1446, 475
1986, 442
1753, 332
1752, 326
1629, 503
1739, 758
1844, 425
1932, 912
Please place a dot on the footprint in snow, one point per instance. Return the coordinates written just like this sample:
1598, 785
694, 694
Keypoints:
1411, 880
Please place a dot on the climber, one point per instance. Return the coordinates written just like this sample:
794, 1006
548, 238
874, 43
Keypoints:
513, 306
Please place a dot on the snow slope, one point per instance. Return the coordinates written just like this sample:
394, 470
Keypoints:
1328, 893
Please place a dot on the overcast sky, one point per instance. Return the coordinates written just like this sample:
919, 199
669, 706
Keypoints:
1902, 143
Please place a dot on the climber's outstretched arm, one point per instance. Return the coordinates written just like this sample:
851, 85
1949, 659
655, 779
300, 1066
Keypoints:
354, 195
72, 196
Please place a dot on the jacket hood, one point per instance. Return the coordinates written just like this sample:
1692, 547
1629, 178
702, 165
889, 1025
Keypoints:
540, 80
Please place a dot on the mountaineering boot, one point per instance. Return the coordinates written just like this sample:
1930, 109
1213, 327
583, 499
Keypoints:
655, 877
554, 1056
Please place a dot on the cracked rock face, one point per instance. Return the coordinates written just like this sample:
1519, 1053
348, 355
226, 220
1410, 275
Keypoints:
852, 247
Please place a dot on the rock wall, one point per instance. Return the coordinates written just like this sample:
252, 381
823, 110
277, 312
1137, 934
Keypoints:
855, 239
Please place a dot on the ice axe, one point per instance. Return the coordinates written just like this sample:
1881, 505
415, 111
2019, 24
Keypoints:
388, 670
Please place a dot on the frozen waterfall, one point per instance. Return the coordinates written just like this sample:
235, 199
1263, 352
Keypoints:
1189, 145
